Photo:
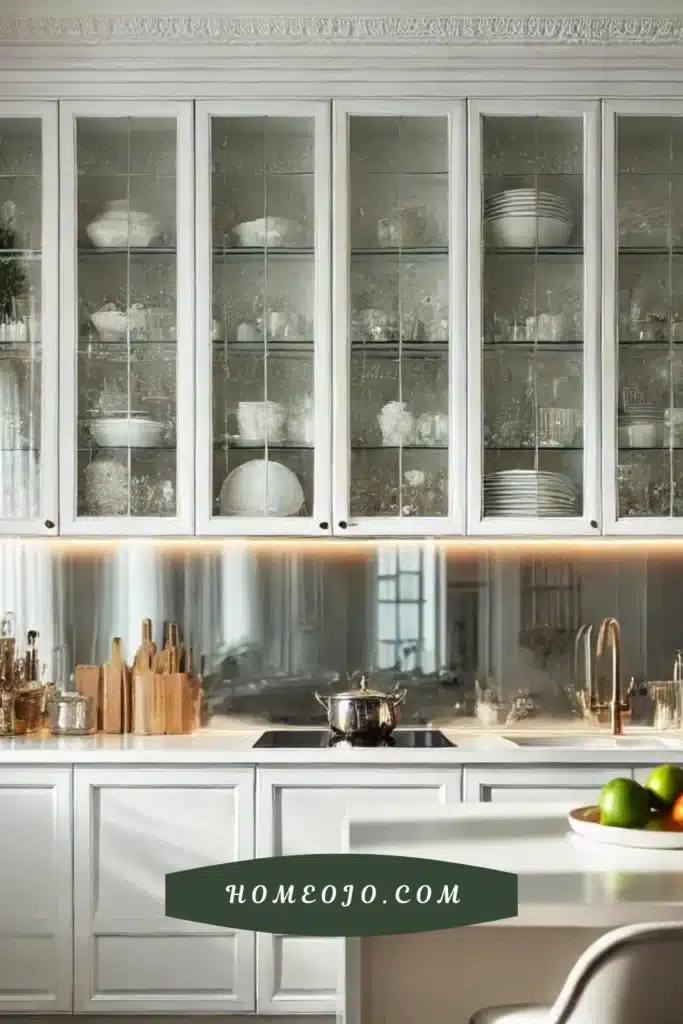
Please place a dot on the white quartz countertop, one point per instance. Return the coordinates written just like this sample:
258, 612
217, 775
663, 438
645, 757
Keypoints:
236, 746
564, 880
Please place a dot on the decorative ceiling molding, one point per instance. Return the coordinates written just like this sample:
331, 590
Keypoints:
575, 31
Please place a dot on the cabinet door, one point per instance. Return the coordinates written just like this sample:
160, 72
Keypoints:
127, 308
35, 866
28, 318
132, 827
643, 318
263, 358
533, 318
573, 786
399, 319
300, 811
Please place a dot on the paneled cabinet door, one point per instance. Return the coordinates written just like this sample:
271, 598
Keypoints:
28, 318
643, 318
127, 316
35, 866
533, 373
263, 331
573, 786
399, 318
300, 811
132, 827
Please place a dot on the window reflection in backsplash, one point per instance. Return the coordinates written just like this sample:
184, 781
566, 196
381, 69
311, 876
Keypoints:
273, 624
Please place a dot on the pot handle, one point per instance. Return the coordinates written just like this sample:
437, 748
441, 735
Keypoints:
400, 697
323, 701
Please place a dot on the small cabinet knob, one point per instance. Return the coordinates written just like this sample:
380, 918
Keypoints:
49, 524
324, 526
342, 524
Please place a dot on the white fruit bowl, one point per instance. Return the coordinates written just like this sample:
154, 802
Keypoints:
127, 432
259, 488
112, 324
526, 232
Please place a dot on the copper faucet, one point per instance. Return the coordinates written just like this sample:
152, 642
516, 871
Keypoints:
610, 635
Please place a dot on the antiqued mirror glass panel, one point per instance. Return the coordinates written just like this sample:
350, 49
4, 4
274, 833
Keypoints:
533, 297
263, 338
399, 316
21, 168
127, 294
650, 316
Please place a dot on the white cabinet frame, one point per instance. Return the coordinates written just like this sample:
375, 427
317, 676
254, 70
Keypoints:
89, 924
588, 523
655, 526
311, 526
130, 526
48, 508
400, 526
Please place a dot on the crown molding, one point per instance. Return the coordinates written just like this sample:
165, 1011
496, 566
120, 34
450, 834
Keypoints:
265, 29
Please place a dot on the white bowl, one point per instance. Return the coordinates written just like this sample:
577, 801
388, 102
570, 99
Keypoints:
116, 228
528, 232
268, 231
112, 324
127, 432
260, 488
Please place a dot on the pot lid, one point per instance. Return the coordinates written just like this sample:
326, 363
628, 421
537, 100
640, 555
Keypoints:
362, 692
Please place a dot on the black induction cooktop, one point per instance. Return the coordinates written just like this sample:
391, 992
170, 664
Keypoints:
317, 738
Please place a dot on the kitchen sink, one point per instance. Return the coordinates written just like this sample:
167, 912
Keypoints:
597, 742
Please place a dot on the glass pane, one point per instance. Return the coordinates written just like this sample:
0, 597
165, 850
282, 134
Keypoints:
126, 364
399, 316
263, 290
533, 268
21, 161
650, 316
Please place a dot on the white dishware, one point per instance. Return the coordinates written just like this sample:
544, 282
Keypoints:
127, 432
261, 488
557, 427
582, 821
247, 332
119, 226
260, 421
527, 232
114, 324
273, 231
301, 425
397, 424
529, 493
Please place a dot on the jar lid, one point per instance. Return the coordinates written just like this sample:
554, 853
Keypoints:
362, 693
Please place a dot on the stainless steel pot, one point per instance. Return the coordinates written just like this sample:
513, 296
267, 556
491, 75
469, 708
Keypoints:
70, 714
362, 712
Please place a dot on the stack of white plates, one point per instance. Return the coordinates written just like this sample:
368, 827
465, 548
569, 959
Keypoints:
529, 492
524, 218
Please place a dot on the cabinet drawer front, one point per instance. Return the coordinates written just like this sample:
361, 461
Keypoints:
35, 866
303, 813
573, 786
132, 828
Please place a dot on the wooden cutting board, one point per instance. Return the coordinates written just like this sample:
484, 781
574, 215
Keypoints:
175, 684
114, 690
89, 684
143, 683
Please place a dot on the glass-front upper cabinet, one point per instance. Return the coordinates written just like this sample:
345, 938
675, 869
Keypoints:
533, 318
399, 319
263, 346
127, 394
28, 318
643, 319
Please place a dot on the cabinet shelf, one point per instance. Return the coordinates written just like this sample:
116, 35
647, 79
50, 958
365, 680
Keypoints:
541, 250
124, 250
407, 251
531, 448
20, 254
237, 251
395, 350
525, 347
399, 448
647, 250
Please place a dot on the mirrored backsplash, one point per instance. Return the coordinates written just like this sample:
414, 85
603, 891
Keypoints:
483, 635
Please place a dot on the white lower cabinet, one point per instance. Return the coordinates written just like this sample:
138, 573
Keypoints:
132, 827
36, 964
302, 811
575, 786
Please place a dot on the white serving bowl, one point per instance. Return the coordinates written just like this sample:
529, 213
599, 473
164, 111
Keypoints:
526, 232
127, 432
268, 231
119, 226
112, 324
259, 488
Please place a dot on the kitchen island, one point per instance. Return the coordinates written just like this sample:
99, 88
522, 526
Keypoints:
570, 891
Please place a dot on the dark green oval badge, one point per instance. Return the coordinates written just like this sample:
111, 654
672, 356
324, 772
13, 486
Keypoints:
341, 894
